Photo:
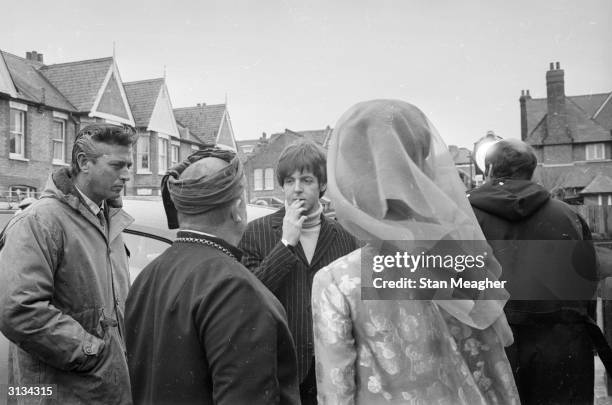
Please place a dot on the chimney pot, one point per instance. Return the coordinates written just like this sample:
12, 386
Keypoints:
522, 93
552, 66
40, 57
528, 93
29, 55
558, 66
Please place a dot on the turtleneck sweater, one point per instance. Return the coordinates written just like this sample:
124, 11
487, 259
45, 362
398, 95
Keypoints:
310, 233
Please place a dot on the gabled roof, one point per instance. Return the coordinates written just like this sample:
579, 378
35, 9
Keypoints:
31, 85
7, 85
203, 121
590, 116
79, 81
318, 135
600, 184
142, 96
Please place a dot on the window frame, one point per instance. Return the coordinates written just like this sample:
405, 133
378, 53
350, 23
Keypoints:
21, 110
140, 153
175, 146
592, 150
258, 180
55, 141
268, 179
162, 159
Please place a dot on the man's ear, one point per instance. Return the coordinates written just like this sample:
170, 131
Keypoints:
323, 189
236, 211
82, 161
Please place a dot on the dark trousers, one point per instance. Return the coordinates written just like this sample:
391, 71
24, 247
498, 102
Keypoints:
308, 387
552, 363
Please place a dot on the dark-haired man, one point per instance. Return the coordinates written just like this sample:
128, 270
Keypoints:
552, 354
64, 277
285, 249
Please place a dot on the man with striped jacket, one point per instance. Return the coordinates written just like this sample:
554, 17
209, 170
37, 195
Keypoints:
285, 249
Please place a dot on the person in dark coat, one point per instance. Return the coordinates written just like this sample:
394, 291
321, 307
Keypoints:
547, 257
285, 249
200, 327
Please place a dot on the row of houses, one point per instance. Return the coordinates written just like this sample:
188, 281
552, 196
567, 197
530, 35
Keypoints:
572, 137
42, 108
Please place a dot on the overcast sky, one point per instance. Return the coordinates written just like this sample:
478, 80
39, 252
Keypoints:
301, 64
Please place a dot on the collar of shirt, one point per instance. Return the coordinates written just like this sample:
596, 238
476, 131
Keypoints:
93, 207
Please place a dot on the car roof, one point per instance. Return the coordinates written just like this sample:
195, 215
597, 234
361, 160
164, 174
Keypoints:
150, 217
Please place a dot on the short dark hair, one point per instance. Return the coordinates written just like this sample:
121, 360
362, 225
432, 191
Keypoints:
302, 156
104, 133
511, 159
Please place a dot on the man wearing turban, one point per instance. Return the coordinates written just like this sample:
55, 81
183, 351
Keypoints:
200, 327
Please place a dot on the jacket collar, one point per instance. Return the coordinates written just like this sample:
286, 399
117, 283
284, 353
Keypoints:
60, 186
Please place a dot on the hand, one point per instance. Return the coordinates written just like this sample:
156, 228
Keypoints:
292, 222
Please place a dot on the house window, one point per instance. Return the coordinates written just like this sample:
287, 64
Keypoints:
258, 179
21, 192
174, 155
269, 179
163, 156
59, 140
142, 155
17, 134
595, 151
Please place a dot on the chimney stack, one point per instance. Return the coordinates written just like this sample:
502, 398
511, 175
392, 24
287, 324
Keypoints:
556, 119
523, 102
34, 56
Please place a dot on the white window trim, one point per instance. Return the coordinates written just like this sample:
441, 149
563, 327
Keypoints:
267, 186
60, 115
139, 169
16, 156
161, 141
261, 185
18, 106
176, 144
594, 148
19, 156
61, 161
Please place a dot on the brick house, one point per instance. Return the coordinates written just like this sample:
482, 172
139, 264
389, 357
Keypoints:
260, 166
572, 137
158, 145
42, 107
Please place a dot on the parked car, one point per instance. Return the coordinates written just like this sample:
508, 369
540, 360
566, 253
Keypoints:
146, 238
268, 201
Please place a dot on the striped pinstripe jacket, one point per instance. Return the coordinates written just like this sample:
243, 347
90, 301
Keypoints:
286, 272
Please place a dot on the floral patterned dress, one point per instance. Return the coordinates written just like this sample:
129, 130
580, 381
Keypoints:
399, 352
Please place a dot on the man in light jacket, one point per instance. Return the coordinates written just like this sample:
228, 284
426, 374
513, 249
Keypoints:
64, 277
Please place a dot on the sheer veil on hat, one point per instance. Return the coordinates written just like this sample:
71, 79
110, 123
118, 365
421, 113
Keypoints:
391, 178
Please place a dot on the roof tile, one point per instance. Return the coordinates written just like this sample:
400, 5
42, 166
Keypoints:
203, 121
142, 96
79, 81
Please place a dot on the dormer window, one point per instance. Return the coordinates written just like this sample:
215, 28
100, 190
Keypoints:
595, 151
